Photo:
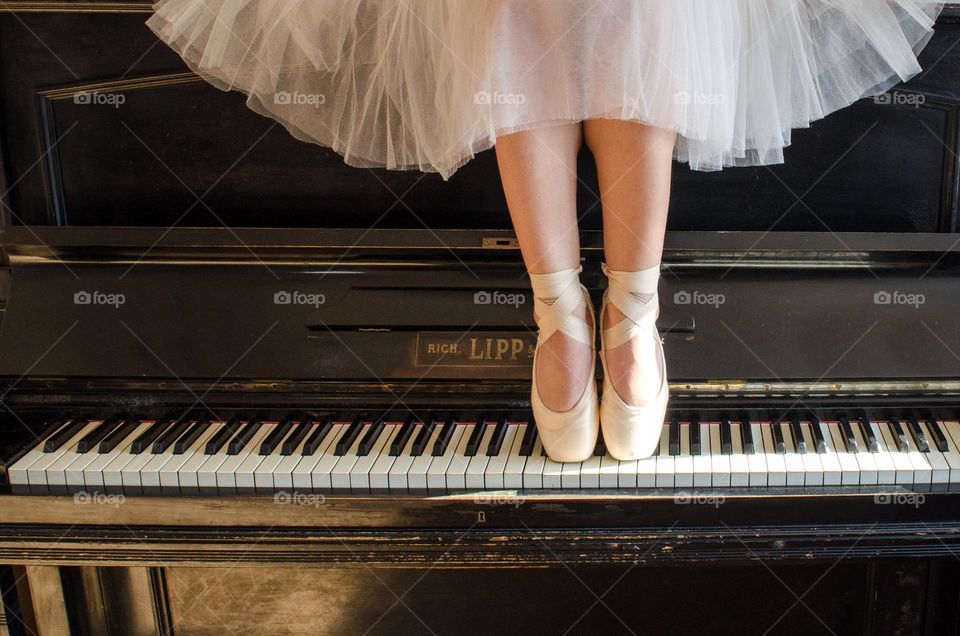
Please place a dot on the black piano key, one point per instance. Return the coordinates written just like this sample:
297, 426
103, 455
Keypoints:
898, 435
62, 434
918, 435
846, 434
276, 436
186, 440
496, 439
403, 436
818, 438
241, 439
220, 438
726, 440
600, 449
746, 437
317, 436
149, 436
419, 446
296, 436
473, 444
371, 436
170, 435
796, 431
350, 435
443, 439
94, 437
121, 433
938, 436
529, 439
674, 437
779, 445
695, 436
873, 444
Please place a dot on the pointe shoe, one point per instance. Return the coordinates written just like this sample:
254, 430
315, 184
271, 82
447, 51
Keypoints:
631, 431
571, 435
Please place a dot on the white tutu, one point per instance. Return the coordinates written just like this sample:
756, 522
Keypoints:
426, 84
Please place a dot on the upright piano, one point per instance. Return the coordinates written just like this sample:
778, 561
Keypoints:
245, 387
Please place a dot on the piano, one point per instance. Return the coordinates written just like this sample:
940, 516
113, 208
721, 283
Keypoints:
243, 384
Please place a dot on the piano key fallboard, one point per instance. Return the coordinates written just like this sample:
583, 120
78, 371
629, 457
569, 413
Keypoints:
370, 453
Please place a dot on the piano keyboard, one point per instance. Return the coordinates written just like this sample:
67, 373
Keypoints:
362, 455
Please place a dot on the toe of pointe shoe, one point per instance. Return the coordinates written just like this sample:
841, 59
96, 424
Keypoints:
632, 432
569, 436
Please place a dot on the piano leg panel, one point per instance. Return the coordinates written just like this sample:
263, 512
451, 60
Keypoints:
47, 612
115, 600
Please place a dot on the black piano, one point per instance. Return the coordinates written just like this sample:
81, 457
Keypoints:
244, 387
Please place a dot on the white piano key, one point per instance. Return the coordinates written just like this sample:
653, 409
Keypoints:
703, 463
792, 460
513, 471
478, 463
457, 469
849, 468
244, 476
757, 460
719, 463
666, 463
621, 474
865, 459
263, 475
227, 471
570, 474
360, 473
379, 475
496, 467
812, 466
36, 471
302, 474
281, 478
320, 473
951, 430
400, 469
99, 472
552, 473
901, 461
832, 470
417, 474
940, 469
683, 464
73, 473
437, 472
17, 473
776, 464
644, 470
188, 479
922, 471
340, 473
739, 462
533, 470
171, 472
886, 468
130, 472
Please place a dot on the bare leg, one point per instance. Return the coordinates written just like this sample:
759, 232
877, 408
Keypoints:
538, 169
634, 165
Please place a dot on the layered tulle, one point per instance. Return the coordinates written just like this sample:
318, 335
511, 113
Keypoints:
426, 84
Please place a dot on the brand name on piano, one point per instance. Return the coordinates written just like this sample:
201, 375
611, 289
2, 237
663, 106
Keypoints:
443, 349
99, 298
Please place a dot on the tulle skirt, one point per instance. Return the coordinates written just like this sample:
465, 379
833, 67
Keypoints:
426, 84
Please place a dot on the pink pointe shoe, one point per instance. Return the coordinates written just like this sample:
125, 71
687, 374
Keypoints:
632, 431
567, 436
